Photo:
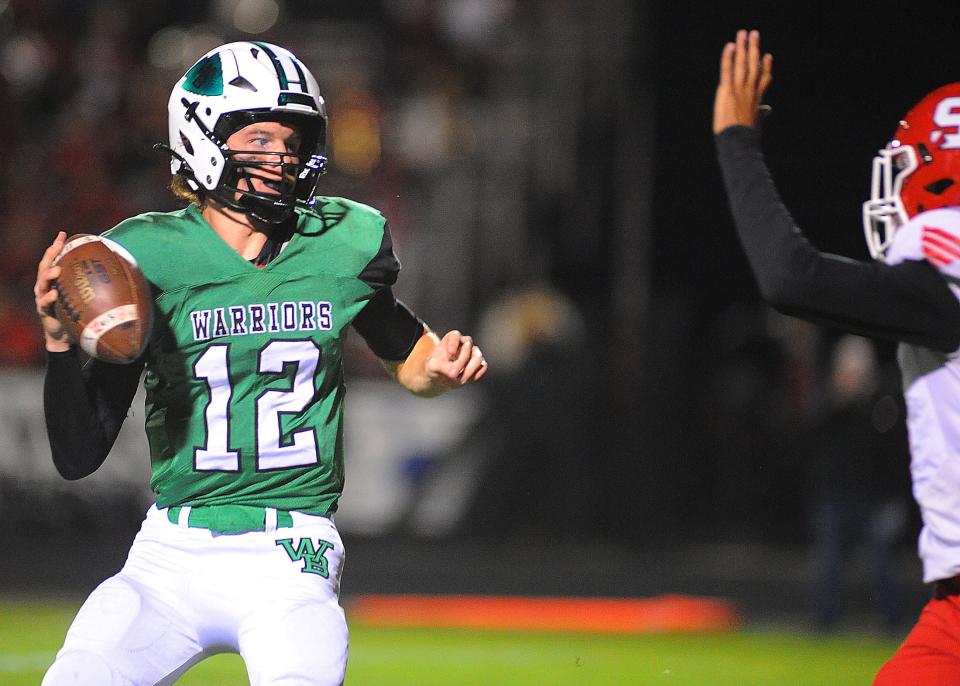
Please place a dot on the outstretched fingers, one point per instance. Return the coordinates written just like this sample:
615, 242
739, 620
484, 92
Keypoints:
745, 74
740, 60
766, 74
753, 57
726, 65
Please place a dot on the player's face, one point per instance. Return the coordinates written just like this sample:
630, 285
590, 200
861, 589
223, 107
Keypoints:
274, 147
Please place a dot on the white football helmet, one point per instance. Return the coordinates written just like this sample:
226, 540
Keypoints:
230, 87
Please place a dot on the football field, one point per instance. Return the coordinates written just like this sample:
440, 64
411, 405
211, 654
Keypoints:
31, 632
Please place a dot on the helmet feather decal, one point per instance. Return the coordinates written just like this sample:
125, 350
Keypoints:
205, 77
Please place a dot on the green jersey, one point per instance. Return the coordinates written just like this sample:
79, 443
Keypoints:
244, 378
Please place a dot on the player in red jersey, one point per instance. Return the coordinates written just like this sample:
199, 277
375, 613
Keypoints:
911, 294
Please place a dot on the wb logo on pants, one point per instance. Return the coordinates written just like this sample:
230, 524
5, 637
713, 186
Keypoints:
312, 555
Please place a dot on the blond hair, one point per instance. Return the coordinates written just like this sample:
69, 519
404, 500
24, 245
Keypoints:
181, 188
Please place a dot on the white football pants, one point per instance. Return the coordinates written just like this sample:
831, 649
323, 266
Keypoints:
187, 593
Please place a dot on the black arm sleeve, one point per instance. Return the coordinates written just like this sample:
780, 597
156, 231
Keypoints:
388, 326
84, 407
909, 301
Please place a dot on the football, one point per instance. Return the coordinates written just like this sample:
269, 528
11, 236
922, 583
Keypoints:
104, 302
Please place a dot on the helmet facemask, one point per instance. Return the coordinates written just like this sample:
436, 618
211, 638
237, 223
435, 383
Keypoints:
884, 212
236, 189
292, 175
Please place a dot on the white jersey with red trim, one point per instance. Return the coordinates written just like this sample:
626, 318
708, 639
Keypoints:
931, 387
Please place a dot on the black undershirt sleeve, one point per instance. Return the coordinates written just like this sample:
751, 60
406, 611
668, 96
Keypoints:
388, 326
909, 301
84, 406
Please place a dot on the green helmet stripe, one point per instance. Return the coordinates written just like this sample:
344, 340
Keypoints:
281, 74
302, 79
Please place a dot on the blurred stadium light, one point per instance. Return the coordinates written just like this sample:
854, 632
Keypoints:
249, 16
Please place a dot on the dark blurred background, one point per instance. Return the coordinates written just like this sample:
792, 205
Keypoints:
547, 168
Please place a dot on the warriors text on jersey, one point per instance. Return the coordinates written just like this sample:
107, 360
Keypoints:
244, 376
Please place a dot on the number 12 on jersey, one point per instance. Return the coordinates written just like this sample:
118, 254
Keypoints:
213, 368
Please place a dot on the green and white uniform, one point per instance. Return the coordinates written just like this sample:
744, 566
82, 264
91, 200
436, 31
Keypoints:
244, 375
245, 395
244, 409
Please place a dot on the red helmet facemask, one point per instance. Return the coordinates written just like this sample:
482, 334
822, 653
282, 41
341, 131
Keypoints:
919, 170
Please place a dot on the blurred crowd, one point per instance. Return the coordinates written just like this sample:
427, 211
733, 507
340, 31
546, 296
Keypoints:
811, 446
417, 90
507, 169
518, 189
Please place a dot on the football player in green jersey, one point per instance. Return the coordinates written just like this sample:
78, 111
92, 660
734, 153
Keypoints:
255, 284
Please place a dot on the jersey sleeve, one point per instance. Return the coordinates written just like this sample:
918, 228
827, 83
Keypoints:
356, 240
909, 301
360, 244
389, 327
382, 269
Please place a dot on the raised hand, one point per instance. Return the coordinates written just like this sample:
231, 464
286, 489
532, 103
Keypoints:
744, 77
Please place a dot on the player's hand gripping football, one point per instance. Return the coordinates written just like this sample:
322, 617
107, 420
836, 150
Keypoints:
744, 77
45, 296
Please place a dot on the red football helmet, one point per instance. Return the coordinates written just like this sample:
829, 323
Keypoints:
919, 170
